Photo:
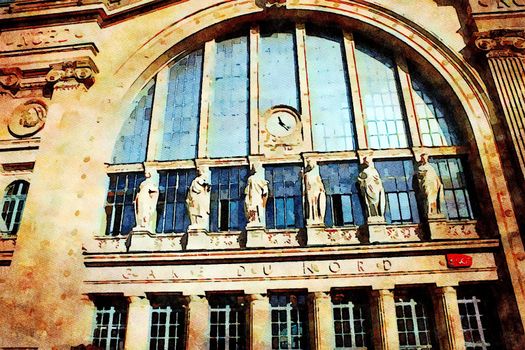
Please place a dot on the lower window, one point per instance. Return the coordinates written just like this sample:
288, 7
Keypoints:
110, 323
414, 322
227, 323
167, 324
351, 321
289, 321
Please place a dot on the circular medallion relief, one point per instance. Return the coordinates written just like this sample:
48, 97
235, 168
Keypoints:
27, 119
282, 122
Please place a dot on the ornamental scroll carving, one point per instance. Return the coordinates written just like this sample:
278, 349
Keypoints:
270, 3
71, 74
501, 42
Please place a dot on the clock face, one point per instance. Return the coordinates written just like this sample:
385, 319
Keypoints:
281, 123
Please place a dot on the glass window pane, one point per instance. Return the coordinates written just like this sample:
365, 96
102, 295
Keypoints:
284, 206
227, 198
228, 124
171, 207
13, 206
120, 212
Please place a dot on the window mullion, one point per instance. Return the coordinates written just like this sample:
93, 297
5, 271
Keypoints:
206, 97
158, 112
408, 100
254, 89
478, 322
414, 321
304, 92
110, 327
355, 92
351, 321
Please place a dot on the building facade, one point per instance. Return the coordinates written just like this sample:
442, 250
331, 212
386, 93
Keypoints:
258, 174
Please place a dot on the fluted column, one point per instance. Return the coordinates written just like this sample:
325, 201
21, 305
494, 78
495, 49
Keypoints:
259, 322
384, 320
138, 325
448, 320
323, 321
198, 322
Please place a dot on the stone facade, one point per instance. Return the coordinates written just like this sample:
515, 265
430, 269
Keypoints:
70, 72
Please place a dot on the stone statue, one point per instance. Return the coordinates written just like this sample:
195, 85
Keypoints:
256, 192
146, 202
372, 189
198, 199
430, 186
315, 194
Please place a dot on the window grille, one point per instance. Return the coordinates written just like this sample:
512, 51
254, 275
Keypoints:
473, 321
343, 204
397, 177
289, 322
181, 120
351, 322
120, 210
284, 208
133, 138
227, 198
167, 326
385, 125
13, 206
227, 323
171, 208
228, 125
332, 116
110, 326
457, 198
413, 324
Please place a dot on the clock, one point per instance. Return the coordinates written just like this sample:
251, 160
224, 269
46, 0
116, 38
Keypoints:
281, 123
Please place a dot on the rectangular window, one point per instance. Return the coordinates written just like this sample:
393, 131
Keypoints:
227, 323
120, 210
277, 70
342, 195
479, 326
457, 198
181, 120
397, 177
110, 324
332, 116
384, 117
171, 208
228, 124
351, 321
167, 324
284, 208
227, 198
414, 323
289, 321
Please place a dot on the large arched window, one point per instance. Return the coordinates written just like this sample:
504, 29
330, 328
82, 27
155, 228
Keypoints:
344, 95
13, 206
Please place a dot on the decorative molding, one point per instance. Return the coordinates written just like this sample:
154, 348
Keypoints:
501, 43
10, 80
72, 74
270, 3
27, 119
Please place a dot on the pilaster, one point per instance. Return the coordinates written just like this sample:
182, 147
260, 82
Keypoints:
323, 337
137, 329
448, 320
385, 333
198, 322
259, 322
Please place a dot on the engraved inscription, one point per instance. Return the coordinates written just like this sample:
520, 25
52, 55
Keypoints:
38, 38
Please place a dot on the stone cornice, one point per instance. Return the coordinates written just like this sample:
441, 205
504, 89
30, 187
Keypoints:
501, 43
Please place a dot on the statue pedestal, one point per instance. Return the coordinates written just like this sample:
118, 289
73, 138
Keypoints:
255, 236
140, 239
197, 238
438, 227
316, 235
376, 226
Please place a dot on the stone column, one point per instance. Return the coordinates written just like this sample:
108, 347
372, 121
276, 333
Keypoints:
323, 335
384, 320
448, 321
259, 322
198, 322
138, 325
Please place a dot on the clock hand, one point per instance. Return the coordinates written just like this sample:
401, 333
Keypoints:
281, 123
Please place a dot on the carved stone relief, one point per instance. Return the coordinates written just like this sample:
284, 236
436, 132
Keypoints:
501, 42
27, 119
72, 73
281, 131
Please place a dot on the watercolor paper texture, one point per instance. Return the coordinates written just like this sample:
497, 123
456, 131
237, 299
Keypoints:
262, 174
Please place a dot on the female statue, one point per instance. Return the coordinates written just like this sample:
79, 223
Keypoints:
146, 202
372, 189
198, 199
431, 187
256, 194
315, 194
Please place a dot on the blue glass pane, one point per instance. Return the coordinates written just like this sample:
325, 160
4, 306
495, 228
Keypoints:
284, 208
227, 189
436, 125
332, 117
133, 137
228, 125
120, 210
398, 177
277, 71
13, 206
181, 120
379, 91
171, 207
